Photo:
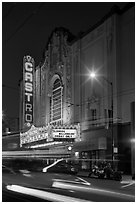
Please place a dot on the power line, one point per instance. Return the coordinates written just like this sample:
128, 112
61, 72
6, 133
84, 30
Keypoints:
9, 11
118, 94
24, 22
10, 87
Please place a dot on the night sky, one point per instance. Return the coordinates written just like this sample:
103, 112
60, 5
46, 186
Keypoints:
26, 28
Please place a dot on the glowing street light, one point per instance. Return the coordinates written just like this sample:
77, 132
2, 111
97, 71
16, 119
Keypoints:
93, 75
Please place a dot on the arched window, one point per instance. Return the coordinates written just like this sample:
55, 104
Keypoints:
56, 103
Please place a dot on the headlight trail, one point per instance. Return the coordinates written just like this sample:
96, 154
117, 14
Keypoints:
43, 194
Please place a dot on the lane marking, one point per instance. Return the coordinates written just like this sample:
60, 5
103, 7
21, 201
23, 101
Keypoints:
43, 194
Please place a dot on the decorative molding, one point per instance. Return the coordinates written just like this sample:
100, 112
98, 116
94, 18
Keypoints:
110, 34
93, 35
69, 84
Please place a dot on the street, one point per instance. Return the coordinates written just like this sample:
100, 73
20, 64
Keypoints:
65, 187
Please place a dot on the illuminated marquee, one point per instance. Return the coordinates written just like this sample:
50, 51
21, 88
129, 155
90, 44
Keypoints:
49, 134
28, 68
33, 135
64, 133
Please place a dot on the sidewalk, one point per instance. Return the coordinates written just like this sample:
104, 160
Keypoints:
125, 178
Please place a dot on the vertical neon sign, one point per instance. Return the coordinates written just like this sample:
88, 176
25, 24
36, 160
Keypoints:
28, 68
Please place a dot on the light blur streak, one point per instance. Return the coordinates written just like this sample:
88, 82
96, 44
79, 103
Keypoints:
48, 167
79, 181
127, 183
43, 194
92, 190
27, 175
84, 181
130, 184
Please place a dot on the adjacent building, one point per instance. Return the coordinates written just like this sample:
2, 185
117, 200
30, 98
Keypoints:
93, 119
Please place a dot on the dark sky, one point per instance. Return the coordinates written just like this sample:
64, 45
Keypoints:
26, 28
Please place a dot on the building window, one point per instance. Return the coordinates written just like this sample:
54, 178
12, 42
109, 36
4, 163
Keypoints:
56, 102
93, 113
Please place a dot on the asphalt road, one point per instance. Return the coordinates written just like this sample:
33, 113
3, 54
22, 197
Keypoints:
36, 186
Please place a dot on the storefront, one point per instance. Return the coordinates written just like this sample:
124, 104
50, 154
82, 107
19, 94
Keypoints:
94, 148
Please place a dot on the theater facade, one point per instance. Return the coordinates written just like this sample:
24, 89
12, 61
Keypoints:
62, 106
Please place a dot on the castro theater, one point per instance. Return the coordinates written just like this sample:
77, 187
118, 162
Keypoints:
46, 103
64, 111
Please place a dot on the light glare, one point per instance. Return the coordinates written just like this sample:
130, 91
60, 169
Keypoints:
92, 75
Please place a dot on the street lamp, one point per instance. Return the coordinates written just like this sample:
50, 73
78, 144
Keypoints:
93, 75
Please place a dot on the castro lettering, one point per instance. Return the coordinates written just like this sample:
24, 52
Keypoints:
28, 87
